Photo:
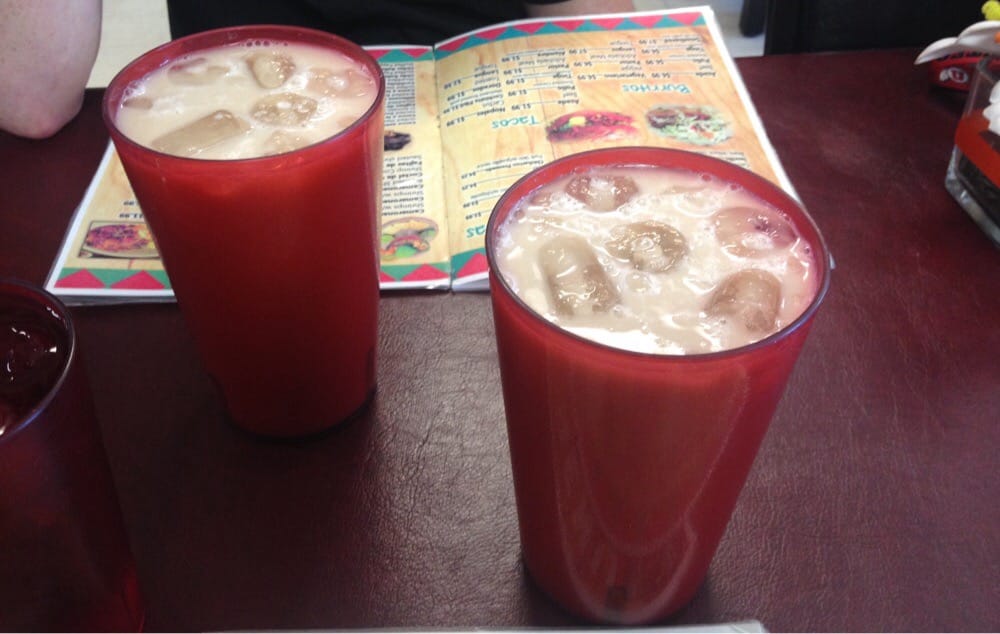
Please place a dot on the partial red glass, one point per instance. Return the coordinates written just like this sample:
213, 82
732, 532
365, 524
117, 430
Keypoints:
65, 562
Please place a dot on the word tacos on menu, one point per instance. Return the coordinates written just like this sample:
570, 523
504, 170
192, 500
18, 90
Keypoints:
588, 125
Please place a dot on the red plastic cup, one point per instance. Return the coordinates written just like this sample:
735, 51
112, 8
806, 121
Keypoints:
273, 260
65, 563
626, 465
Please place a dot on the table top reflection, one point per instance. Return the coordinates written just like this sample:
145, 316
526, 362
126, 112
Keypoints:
872, 504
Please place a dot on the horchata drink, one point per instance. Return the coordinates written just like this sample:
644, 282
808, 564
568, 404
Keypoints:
248, 99
655, 259
649, 306
255, 154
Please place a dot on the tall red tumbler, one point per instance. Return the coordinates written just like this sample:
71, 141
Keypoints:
273, 260
626, 465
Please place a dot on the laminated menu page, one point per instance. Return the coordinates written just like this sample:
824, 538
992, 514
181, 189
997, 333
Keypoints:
464, 120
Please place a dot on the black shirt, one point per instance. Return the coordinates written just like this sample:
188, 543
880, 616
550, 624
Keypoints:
362, 21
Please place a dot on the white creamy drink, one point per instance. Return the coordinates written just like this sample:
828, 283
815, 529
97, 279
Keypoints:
656, 260
245, 100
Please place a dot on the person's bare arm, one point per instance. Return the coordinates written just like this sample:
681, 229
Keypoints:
579, 7
47, 50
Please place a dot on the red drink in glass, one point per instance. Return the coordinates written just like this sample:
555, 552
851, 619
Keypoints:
973, 176
64, 554
627, 463
273, 259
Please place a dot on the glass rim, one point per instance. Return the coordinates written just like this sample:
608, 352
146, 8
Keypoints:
45, 300
824, 256
110, 101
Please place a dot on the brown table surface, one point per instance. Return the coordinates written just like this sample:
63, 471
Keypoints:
873, 505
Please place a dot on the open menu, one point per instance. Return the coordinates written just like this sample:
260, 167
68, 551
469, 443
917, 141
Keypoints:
464, 120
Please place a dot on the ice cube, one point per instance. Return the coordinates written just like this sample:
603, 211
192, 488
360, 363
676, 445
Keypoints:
684, 189
577, 283
195, 72
541, 199
31, 356
752, 296
286, 109
752, 231
27, 354
649, 245
140, 102
271, 69
602, 193
344, 83
693, 196
201, 134
282, 141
